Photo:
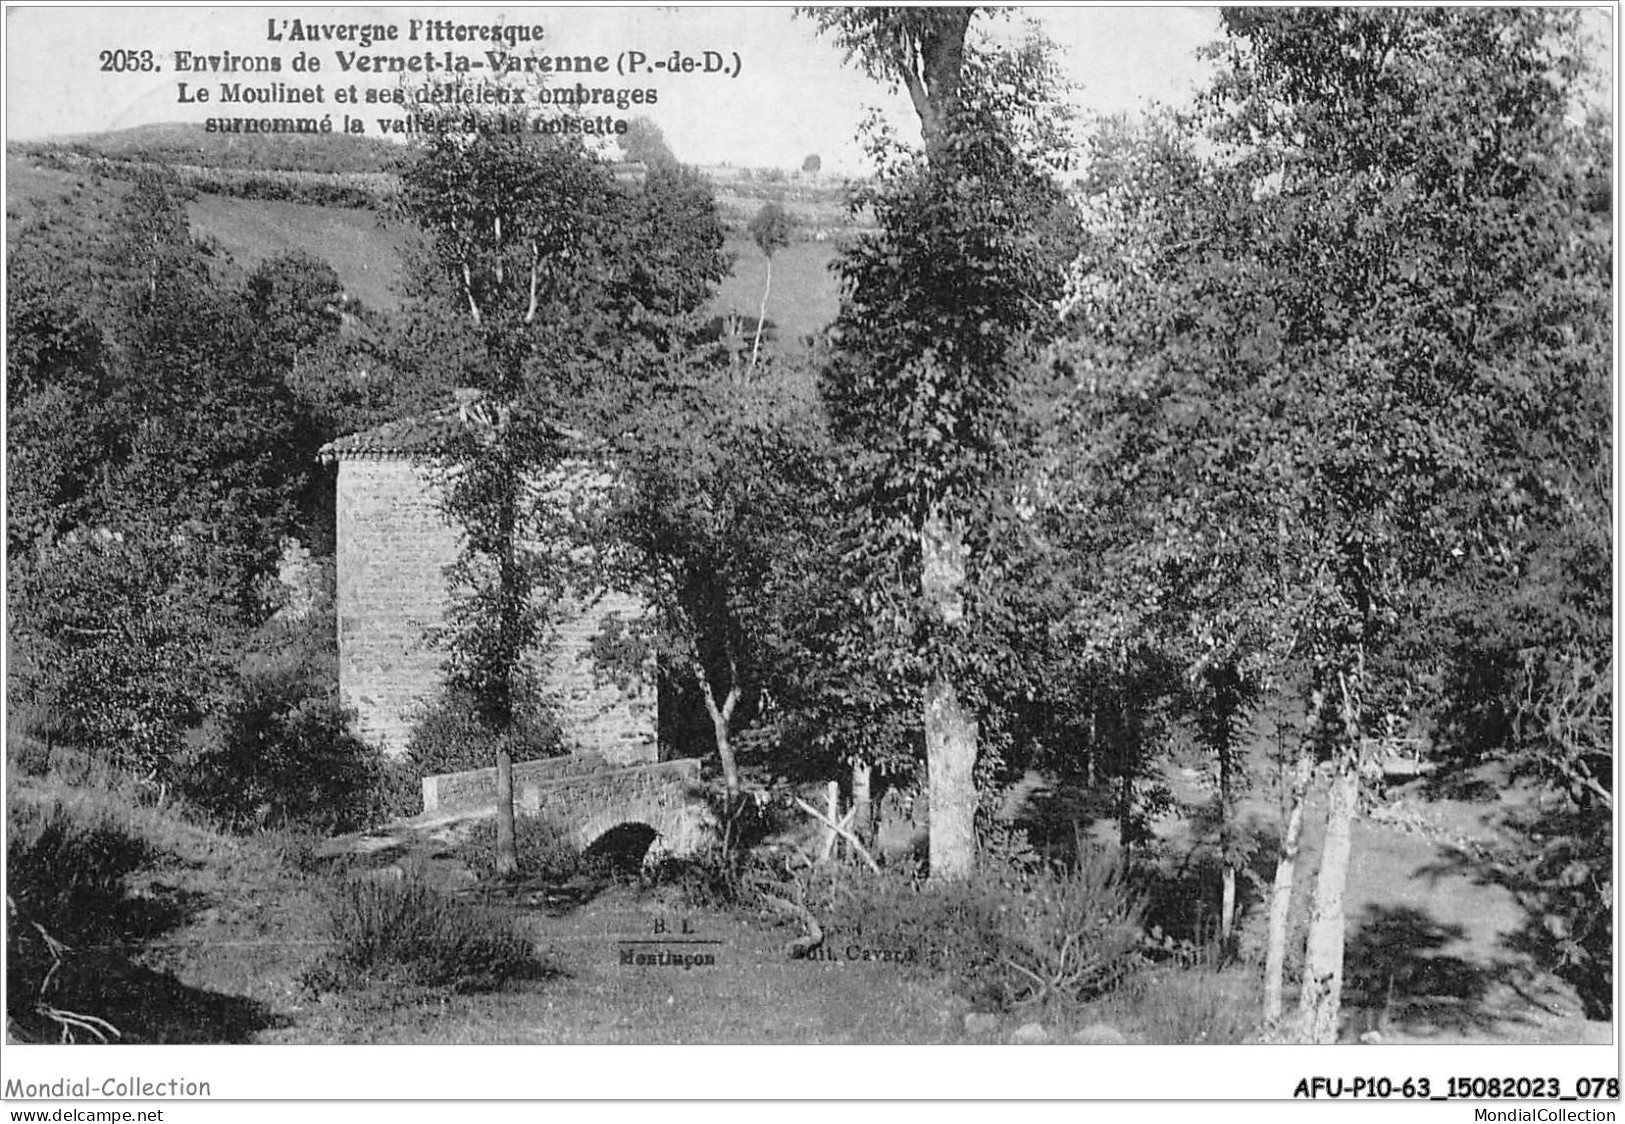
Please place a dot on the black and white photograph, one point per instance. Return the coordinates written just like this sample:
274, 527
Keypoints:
577, 528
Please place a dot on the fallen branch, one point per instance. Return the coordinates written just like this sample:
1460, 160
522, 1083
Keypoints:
843, 832
801, 946
69, 1020
828, 848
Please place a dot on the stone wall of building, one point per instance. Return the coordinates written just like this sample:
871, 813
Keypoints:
394, 545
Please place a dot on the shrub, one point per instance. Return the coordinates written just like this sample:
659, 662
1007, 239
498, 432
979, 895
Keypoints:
281, 754
279, 749
1012, 934
448, 736
1192, 1006
125, 638
407, 931
394, 790
546, 850
1071, 933
710, 878
30, 730
65, 871
66, 868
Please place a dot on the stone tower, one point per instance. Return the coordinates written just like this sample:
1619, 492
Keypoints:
394, 544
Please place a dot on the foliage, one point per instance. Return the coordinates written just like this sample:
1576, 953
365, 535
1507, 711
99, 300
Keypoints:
645, 143
1075, 934
211, 437
1017, 932
296, 301
770, 229
937, 309
405, 931
128, 639
1193, 1006
546, 851
665, 259
719, 480
65, 887
66, 869
57, 381
1317, 374
278, 749
449, 736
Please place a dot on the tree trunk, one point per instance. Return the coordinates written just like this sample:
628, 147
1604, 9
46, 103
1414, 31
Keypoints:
1227, 905
950, 756
720, 719
1125, 816
501, 699
1089, 757
863, 811
1322, 993
1281, 895
761, 317
934, 86
950, 730
1227, 841
507, 857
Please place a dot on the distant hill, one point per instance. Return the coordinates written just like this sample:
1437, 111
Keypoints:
330, 153
265, 194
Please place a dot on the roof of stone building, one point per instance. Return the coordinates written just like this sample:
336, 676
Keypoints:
423, 435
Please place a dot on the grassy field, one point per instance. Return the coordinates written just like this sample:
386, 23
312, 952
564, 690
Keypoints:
804, 298
366, 251
361, 248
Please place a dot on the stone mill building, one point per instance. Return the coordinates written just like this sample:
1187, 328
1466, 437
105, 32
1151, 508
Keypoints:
394, 543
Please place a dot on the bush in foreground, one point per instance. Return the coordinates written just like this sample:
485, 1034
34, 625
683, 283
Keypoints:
65, 888
1192, 1006
546, 850
1013, 934
406, 931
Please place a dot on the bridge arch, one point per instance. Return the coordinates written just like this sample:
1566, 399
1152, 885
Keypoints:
589, 797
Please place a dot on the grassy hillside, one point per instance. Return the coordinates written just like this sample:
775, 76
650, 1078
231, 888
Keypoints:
189, 144
804, 298
365, 250
79, 205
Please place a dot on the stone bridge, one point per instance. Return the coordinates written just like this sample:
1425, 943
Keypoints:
585, 794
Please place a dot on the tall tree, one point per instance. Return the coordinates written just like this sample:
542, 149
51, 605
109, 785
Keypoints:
508, 216
562, 299
937, 307
770, 229
163, 463
1316, 354
644, 142
212, 434
716, 477
1407, 194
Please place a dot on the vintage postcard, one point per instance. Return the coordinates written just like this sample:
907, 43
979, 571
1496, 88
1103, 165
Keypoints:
895, 534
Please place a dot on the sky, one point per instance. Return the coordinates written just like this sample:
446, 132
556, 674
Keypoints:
793, 95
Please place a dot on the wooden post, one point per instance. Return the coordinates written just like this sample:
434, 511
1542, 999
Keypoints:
863, 820
833, 816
